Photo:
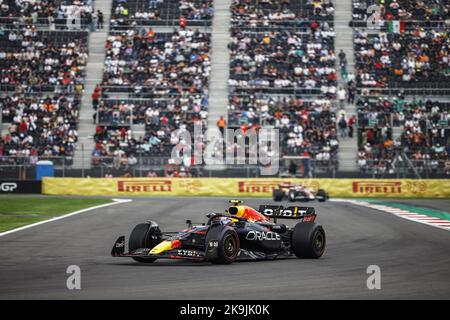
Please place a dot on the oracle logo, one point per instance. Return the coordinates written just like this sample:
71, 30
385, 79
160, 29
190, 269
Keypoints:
262, 235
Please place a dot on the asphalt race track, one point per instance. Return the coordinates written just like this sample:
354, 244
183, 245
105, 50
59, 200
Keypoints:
414, 258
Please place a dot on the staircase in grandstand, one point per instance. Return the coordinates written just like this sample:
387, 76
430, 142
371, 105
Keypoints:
86, 125
348, 147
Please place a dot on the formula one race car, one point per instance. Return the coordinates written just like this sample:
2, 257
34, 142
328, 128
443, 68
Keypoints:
241, 233
298, 192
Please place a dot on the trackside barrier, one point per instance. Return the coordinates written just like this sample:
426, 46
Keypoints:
234, 187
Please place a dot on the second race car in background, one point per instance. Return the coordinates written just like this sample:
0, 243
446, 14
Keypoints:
298, 192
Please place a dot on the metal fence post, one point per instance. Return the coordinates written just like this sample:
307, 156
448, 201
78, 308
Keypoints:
82, 160
1, 120
140, 162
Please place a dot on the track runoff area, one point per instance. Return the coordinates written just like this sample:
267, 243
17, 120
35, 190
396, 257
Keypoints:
408, 258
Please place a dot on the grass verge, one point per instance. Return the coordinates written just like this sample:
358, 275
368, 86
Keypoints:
16, 212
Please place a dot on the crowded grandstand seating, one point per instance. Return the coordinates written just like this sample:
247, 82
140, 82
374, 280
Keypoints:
279, 52
150, 111
44, 127
413, 59
283, 14
307, 128
170, 74
55, 14
177, 61
424, 133
161, 12
42, 61
424, 13
284, 61
117, 141
42, 75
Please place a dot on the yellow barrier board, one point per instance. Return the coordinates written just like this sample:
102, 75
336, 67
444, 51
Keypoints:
235, 187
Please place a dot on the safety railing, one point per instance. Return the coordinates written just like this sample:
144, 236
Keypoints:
427, 168
142, 166
24, 168
136, 23
430, 89
410, 24
291, 90
82, 24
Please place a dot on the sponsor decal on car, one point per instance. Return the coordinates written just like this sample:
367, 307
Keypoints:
188, 253
213, 244
309, 218
262, 235
144, 186
280, 212
120, 244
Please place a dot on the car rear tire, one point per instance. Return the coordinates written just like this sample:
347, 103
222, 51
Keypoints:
308, 240
228, 247
322, 195
278, 195
141, 237
291, 195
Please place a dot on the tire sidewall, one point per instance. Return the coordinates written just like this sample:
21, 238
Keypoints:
291, 196
277, 195
222, 256
304, 237
141, 237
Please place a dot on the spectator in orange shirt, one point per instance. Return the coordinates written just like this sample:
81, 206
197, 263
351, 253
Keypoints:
221, 123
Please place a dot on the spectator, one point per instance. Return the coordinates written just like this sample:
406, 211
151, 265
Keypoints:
351, 123
342, 123
95, 97
221, 124
341, 95
351, 92
99, 20
183, 22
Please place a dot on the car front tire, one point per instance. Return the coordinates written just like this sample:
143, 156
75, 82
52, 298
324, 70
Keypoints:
228, 247
141, 237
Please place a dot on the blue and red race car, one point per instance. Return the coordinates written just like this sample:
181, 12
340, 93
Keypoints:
239, 233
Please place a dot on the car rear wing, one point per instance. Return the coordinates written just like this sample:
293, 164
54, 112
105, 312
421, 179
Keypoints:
280, 212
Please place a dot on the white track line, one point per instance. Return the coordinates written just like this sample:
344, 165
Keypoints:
405, 214
115, 201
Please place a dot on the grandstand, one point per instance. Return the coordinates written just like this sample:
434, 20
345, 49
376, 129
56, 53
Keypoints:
351, 92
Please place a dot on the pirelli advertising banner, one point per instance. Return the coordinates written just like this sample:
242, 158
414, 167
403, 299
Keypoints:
232, 187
